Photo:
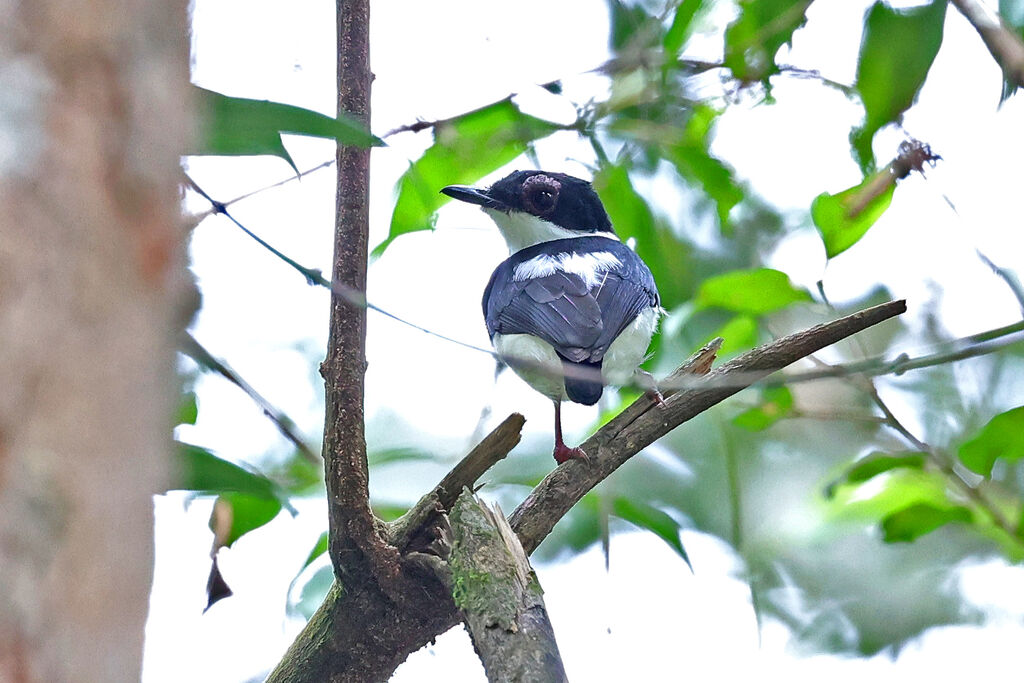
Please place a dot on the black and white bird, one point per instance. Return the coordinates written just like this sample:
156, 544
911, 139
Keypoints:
573, 308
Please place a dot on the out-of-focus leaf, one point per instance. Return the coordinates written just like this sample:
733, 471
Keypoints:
875, 464
686, 148
845, 217
1012, 13
1002, 438
465, 149
694, 162
902, 488
237, 126
202, 471
652, 519
777, 403
754, 292
666, 256
313, 592
896, 52
917, 520
318, 549
389, 512
682, 26
632, 26
740, 334
299, 476
762, 28
236, 514
389, 455
188, 409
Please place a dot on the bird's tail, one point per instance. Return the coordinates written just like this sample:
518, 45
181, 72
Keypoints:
583, 382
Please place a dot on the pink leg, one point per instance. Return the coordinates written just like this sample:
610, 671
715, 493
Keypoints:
563, 452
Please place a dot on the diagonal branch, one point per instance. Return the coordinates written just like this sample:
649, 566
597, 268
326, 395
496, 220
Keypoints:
615, 443
198, 353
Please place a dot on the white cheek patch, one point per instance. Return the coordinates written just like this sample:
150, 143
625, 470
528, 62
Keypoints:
591, 267
522, 230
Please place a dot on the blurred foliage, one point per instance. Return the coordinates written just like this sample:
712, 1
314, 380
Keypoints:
896, 52
849, 523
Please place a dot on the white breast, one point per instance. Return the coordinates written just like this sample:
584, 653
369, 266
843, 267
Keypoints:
541, 368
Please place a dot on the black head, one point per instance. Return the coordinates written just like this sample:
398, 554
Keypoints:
560, 199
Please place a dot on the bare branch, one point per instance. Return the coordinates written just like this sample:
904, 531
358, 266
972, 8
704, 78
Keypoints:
615, 443
1005, 45
494, 447
285, 425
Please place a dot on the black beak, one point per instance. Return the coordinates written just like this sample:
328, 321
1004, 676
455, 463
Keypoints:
473, 195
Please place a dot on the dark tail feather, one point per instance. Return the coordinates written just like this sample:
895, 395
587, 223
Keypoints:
583, 382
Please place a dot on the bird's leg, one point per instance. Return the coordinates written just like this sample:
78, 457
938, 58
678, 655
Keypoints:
646, 381
563, 452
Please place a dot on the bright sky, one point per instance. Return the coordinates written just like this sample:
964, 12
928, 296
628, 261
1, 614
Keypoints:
648, 618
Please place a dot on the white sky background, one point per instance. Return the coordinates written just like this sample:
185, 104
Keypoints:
648, 618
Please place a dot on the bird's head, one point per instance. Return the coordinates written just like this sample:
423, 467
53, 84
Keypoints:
530, 207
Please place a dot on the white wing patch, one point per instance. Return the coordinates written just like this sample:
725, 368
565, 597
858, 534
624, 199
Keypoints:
591, 267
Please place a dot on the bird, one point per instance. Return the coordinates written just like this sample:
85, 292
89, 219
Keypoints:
572, 308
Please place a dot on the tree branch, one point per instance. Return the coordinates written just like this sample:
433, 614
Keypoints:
357, 548
615, 443
1006, 46
197, 352
499, 596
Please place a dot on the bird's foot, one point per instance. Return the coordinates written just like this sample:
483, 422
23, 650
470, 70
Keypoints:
563, 453
655, 397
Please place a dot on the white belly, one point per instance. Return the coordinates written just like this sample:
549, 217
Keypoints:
541, 368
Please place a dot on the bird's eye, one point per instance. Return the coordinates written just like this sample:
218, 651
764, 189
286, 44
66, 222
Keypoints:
540, 194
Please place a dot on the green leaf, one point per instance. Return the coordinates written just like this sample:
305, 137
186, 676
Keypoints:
1002, 437
694, 162
236, 126
896, 52
247, 513
389, 512
875, 464
465, 149
760, 31
917, 520
777, 403
401, 454
739, 334
632, 27
318, 549
754, 292
314, 591
667, 256
202, 471
1012, 12
843, 218
188, 409
682, 26
652, 519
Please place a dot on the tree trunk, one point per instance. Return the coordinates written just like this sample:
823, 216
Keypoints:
91, 283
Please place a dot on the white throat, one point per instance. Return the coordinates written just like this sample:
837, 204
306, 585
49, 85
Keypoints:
522, 230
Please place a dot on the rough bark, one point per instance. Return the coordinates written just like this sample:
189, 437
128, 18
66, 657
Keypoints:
499, 596
339, 640
92, 281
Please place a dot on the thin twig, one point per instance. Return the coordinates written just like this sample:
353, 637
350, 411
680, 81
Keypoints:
1005, 46
284, 424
